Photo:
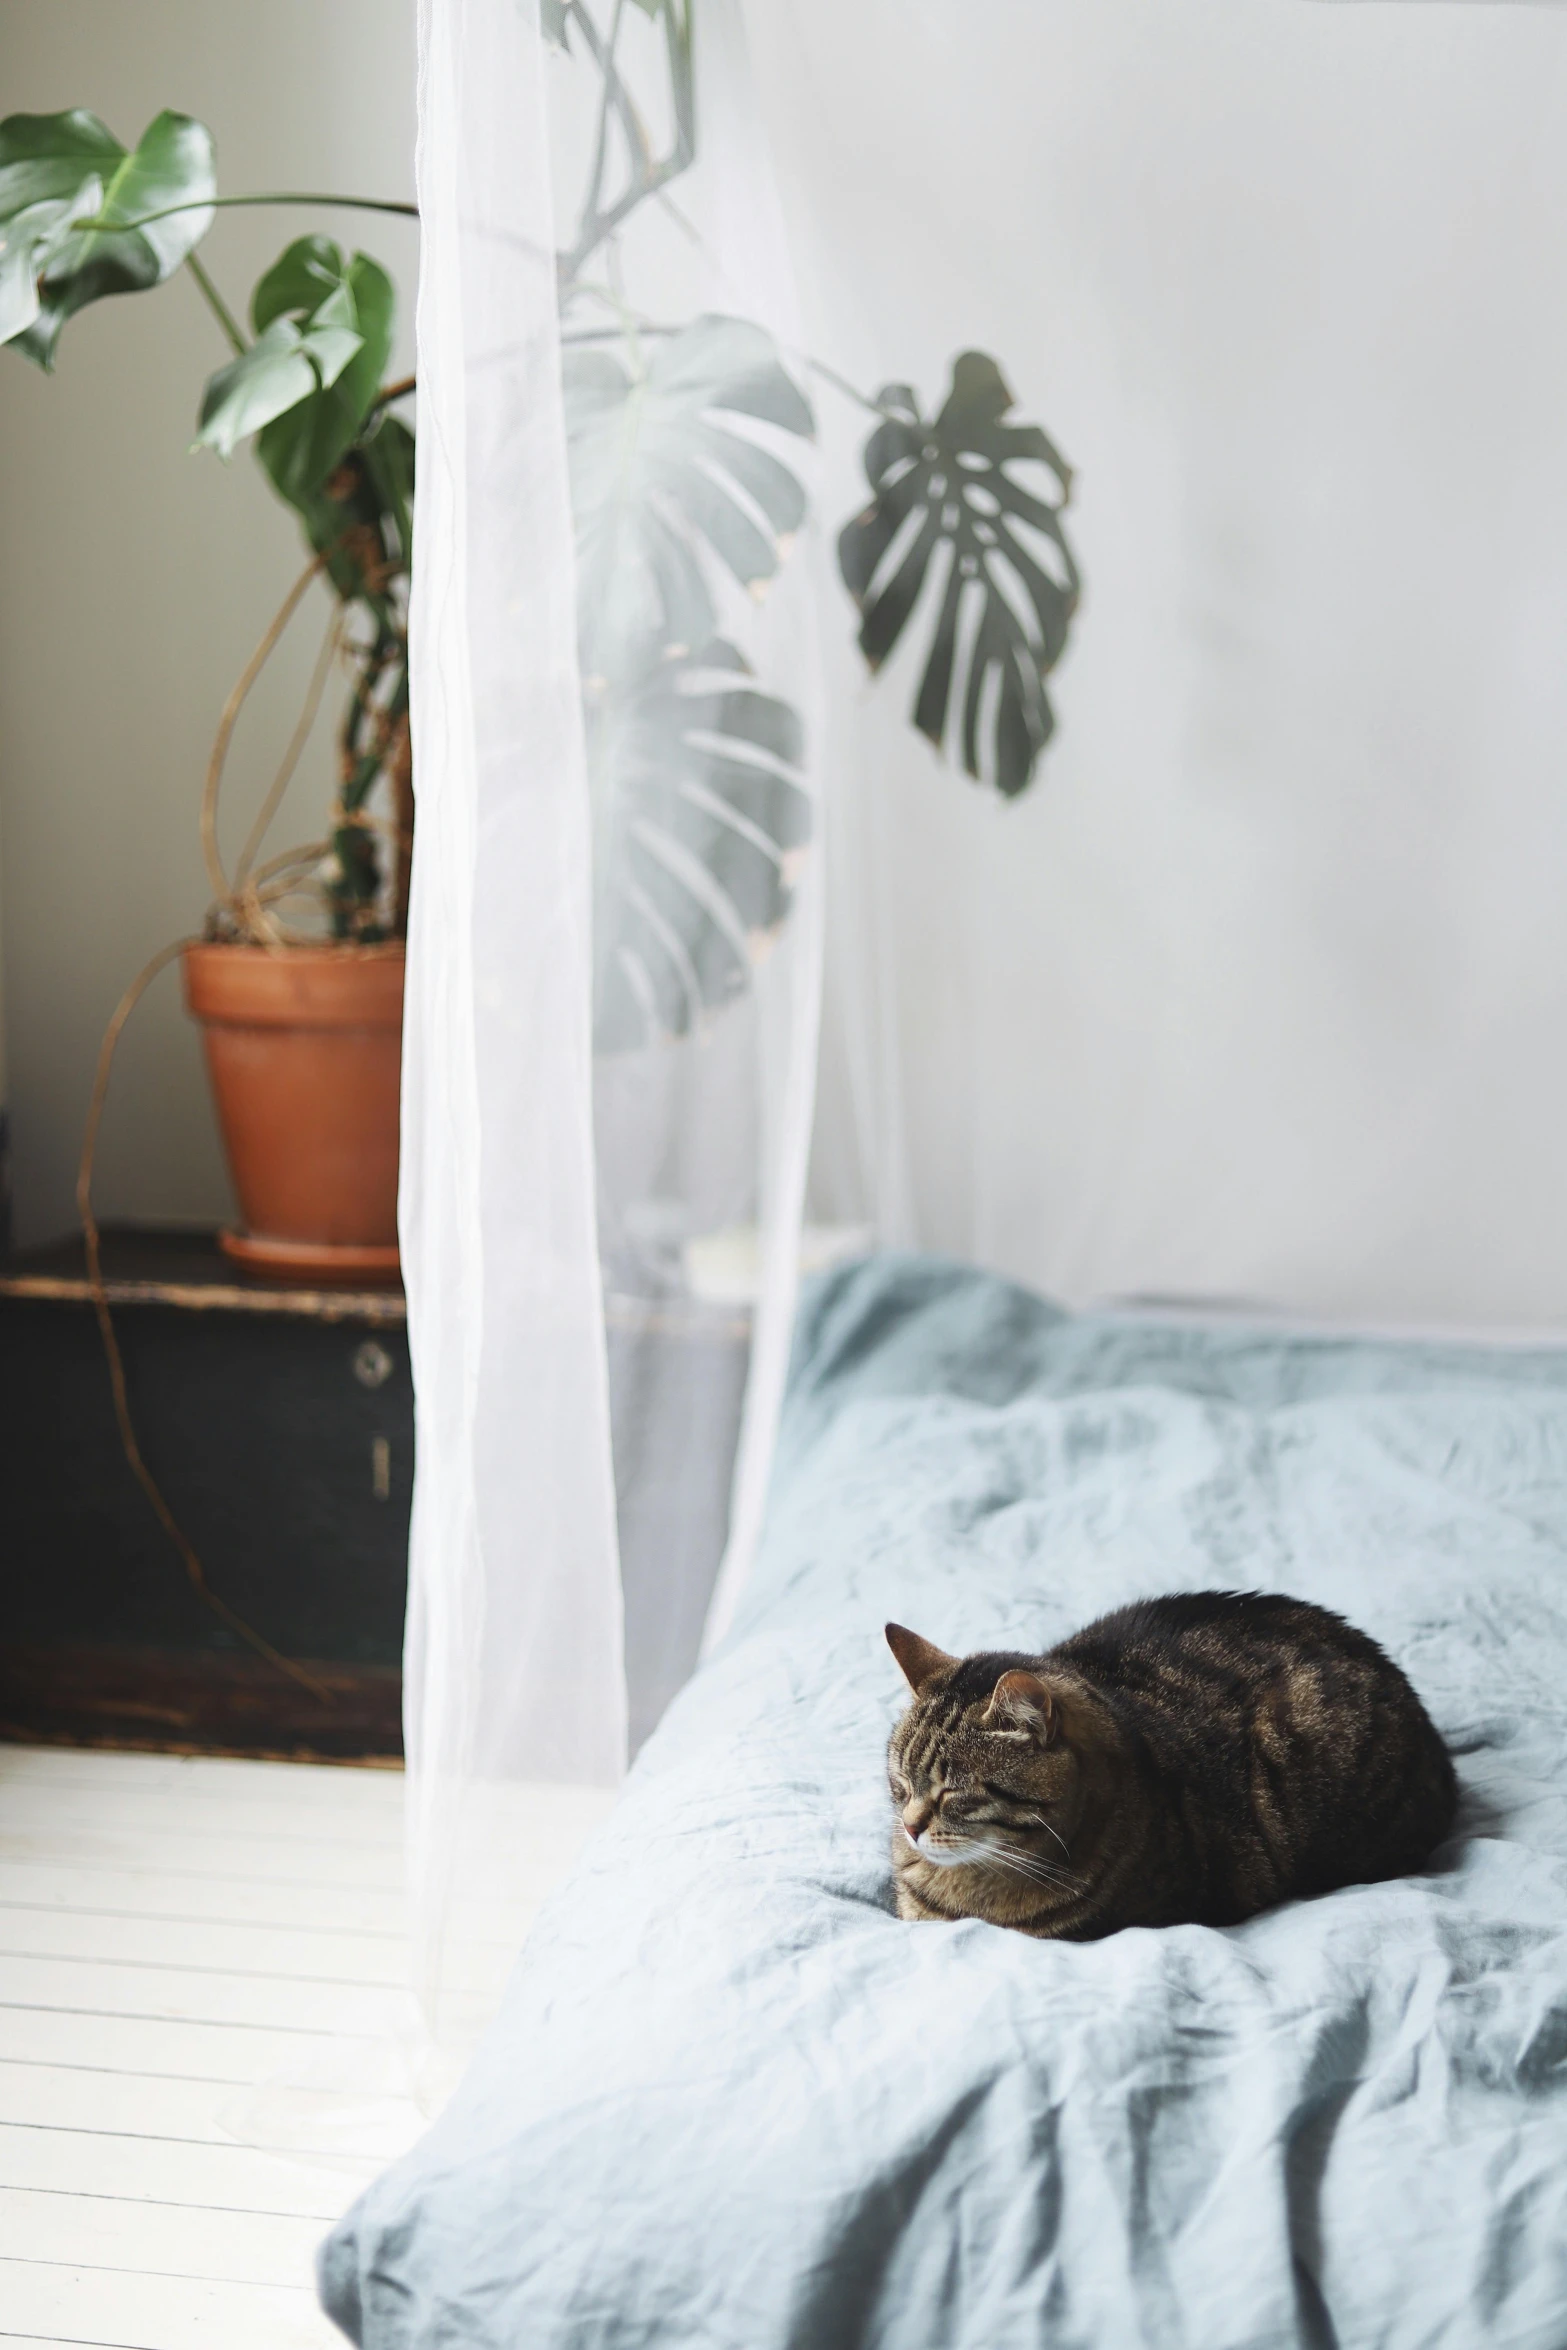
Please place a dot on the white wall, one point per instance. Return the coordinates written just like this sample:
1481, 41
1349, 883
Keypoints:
1263, 990
135, 579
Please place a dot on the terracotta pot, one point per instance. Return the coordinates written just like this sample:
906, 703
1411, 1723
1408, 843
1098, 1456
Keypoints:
304, 1048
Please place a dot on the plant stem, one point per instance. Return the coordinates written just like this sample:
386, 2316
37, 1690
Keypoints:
616, 334
390, 392
601, 142
230, 203
631, 324
648, 176
216, 304
841, 383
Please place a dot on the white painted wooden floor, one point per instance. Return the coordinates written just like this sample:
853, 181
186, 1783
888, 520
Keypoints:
177, 1937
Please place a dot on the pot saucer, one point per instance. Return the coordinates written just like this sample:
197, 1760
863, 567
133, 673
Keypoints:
325, 1264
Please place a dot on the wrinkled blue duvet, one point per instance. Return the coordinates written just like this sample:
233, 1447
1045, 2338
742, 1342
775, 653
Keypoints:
733, 2103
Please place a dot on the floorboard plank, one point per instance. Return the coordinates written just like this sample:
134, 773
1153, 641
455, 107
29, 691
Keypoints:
37, 2342
190, 1995
283, 1954
269, 1818
131, 2105
179, 2050
152, 2170
90, 2231
218, 1775
298, 1954
151, 1893
216, 1854
121, 2312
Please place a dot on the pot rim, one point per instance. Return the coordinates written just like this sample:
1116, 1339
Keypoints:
316, 950
234, 984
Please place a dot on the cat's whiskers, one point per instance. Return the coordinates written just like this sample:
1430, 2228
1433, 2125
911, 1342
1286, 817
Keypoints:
979, 1852
947, 1852
1038, 1875
1037, 1819
1034, 1866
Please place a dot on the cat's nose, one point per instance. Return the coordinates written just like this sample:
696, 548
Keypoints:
918, 1813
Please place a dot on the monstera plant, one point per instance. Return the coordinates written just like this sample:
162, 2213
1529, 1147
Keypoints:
302, 1046
82, 217
685, 445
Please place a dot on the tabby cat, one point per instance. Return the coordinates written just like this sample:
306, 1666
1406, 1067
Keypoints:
1192, 1759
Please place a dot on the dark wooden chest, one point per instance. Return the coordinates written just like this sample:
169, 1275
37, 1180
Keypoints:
279, 1425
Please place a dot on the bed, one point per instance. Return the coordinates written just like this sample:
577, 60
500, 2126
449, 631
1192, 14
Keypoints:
731, 2103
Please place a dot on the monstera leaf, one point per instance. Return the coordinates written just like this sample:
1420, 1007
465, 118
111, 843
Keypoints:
72, 160
29, 239
282, 367
663, 484
700, 818
957, 486
308, 381
309, 285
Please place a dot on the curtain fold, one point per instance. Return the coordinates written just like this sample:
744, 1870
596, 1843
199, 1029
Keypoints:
615, 935
513, 1668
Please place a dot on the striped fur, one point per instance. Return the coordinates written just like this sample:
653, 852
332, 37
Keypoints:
1193, 1759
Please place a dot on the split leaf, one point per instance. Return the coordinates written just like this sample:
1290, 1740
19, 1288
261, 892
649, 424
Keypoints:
971, 504
313, 284
700, 818
665, 480
73, 160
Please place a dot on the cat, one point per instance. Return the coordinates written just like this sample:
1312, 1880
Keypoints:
1186, 1760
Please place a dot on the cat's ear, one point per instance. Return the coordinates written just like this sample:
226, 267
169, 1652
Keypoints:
1022, 1707
919, 1661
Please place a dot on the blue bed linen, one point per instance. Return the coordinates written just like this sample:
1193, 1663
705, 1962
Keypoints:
732, 2103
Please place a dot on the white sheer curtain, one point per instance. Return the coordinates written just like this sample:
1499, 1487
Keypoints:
513, 1660
614, 946
702, 697
1247, 992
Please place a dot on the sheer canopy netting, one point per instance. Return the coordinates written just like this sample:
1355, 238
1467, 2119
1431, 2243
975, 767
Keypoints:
1063, 499
615, 938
